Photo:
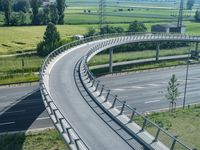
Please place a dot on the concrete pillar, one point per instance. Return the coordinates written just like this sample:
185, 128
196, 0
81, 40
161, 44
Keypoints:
110, 60
157, 51
197, 45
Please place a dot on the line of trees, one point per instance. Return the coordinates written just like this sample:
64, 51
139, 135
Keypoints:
197, 16
16, 12
51, 13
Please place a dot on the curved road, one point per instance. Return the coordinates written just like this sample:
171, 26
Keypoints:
59, 79
87, 123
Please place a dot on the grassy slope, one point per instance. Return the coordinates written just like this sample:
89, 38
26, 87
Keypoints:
185, 123
46, 140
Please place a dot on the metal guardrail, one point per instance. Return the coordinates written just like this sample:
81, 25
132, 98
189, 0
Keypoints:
69, 134
113, 98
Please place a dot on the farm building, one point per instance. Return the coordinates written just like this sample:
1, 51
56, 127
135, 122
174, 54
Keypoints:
167, 28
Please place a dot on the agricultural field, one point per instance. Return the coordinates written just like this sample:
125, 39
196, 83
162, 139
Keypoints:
17, 39
19, 69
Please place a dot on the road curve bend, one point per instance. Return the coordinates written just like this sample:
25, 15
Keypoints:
66, 104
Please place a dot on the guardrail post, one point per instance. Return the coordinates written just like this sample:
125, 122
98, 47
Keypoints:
76, 143
93, 82
132, 115
113, 104
106, 99
122, 109
157, 134
54, 113
101, 90
97, 86
63, 129
69, 136
174, 142
144, 124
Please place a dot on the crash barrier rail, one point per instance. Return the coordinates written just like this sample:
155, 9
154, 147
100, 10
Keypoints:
69, 134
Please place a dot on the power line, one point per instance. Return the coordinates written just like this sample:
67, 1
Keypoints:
102, 7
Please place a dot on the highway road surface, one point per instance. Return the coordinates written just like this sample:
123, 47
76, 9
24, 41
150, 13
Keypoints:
22, 109
144, 90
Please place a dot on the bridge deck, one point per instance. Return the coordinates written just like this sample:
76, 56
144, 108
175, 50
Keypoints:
91, 128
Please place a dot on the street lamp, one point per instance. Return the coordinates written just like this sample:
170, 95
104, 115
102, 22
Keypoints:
186, 78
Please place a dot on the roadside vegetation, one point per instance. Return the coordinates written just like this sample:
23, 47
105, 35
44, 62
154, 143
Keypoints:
138, 67
103, 58
48, 139
182, 122
19, 69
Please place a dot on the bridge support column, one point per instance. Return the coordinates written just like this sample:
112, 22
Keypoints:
110, 60
157, 51
197, 46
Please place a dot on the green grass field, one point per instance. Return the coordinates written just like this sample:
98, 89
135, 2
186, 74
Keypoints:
45, 140
13, 71
137, 67
184, 123
13, 39
128, 56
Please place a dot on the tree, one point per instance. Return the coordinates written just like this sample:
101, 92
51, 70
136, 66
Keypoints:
7, 11
91, 32
54, 14
190, 4
61, 10
173, 93
1, 5
21, 5
111, 29
35, 4
50, 41
197, 16
137, 27
18, 18
46, 18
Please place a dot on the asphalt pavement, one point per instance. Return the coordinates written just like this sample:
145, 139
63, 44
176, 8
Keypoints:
146, 90
22, 109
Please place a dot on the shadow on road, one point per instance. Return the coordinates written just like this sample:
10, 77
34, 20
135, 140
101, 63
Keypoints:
19, 116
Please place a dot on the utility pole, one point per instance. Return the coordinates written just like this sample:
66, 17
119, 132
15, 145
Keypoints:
102, 5
180, 17
186, 78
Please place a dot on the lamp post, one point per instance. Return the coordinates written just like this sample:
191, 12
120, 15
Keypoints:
186, 78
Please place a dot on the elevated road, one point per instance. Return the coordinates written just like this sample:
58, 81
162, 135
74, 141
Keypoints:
65, 101
95, 132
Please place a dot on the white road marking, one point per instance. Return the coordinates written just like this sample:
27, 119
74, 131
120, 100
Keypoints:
10, 112
156, 85
123, 97
6, 123
137, 87
118, 89
152, 101
164, 82
43, 118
